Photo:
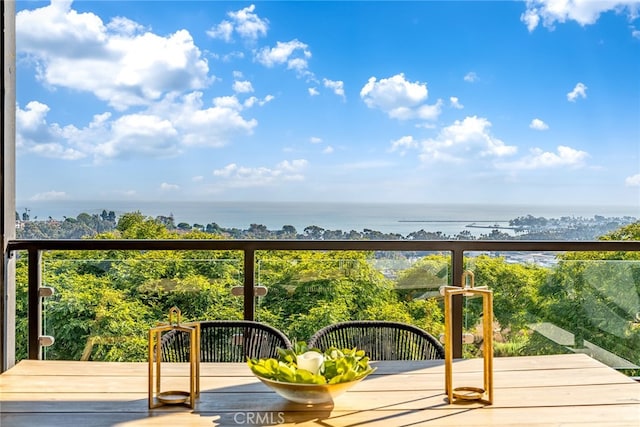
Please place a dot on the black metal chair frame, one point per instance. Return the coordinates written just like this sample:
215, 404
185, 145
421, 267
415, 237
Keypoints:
226, 341
381, 340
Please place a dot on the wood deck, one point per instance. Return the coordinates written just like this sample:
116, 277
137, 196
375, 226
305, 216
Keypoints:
529, 391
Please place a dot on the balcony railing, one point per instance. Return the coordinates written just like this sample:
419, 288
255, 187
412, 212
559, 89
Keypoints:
456, 250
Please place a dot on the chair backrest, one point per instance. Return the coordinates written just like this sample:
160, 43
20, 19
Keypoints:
381, 340
226, 341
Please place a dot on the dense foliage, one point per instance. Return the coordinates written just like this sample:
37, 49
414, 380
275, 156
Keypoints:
106, 301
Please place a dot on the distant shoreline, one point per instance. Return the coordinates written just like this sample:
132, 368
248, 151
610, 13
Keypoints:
449, 219
457, 220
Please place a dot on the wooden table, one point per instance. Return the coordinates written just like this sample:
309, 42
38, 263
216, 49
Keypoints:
542, 390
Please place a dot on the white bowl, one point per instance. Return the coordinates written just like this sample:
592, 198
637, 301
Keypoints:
309, 394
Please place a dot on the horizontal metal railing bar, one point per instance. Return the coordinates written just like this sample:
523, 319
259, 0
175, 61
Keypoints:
334, 245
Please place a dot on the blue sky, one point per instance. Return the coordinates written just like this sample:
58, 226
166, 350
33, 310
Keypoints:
534, 102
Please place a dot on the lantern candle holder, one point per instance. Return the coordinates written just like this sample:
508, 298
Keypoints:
157, 397
483, 394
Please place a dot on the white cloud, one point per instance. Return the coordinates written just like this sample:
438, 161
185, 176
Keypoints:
128, 66
429, 112
454, 102
394, 92
247, 24
404, 144
531, 18
49, 195
139, 135
298, 64
123, 25
315, 140
40, 29
161, 131
116, 62
584, 12
243, 177
313, 91
267, 99
252, 100
293, 53
292, 166
214, 126
464, 140
328, 150
538, 159
633, 180
244, 86
336, 86
399, 98
228, 57
166, 187
227, 171
35, 135
579, 91
56, 151
538, 124
471, 77
224, 31
33, 118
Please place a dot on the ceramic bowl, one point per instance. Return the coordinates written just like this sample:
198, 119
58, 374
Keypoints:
309, 394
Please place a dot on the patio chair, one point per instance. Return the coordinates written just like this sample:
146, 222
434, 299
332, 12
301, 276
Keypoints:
226, 341
381, 340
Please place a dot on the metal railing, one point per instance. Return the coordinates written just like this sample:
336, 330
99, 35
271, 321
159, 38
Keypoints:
456, 248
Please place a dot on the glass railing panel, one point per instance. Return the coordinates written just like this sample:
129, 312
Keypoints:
22, 291
310, 290
569, 305
102, 309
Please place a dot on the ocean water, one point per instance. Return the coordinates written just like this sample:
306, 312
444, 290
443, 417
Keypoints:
449, 219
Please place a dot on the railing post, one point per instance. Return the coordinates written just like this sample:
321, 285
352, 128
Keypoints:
8, 312
34, 305
457, 268
249, 284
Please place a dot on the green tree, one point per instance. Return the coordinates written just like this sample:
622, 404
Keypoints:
86, 308
310, 290
136, 226
515, 290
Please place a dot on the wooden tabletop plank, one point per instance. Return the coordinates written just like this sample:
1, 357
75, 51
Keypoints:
389, 382
594, 416
535, 390
244, 400
523, 363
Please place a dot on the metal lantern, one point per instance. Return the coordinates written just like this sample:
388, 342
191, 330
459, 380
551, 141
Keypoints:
483, 394
157, 397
